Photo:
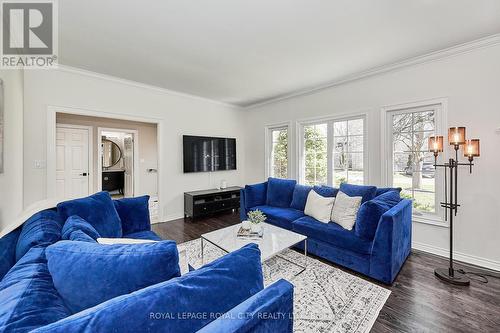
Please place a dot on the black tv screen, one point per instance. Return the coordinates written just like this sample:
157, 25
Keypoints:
202, 153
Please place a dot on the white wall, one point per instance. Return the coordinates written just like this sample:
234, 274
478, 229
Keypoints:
471, 82
179, 114
11, 180
148, 153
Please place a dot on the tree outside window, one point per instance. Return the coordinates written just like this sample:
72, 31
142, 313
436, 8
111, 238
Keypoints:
315, 154
279, 153
413, 168
348, 152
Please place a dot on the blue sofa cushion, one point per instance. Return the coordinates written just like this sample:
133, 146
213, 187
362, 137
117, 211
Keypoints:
255, 195
76, 228
299, 197
28, 298
148, 234
98, 210
331, 233
366, 192
134, 214
280, 192
183, 304
282, 217
370, 212
326, 191
86, 274
42, 229
8, 245
270, 310
382, 190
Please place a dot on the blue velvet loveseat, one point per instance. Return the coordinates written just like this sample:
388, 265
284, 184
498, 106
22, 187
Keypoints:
38, 260
377, 246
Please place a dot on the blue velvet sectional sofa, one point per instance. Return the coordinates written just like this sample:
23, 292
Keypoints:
38, 292
377, 246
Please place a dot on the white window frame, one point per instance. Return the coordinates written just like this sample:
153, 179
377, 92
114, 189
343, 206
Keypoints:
329, 121
269, 146
440, 107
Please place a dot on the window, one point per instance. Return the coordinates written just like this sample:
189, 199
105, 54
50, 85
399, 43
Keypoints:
412, 166
333, 152
315, 153
348, 155
278, 152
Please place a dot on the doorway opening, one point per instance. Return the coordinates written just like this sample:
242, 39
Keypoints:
118, 157
89, 154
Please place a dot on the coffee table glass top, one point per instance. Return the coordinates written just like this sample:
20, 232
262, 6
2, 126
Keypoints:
273, 241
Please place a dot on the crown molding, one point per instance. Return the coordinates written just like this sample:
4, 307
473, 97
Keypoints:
115, 79
414, 61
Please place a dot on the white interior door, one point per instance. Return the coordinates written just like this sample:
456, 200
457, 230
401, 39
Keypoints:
72, 166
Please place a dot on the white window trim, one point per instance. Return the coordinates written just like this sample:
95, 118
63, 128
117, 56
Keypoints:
268, 146
329, 120
439, 104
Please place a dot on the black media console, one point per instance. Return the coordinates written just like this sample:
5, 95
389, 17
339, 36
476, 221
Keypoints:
201, 203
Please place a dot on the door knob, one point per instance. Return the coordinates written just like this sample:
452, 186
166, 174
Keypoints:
83, 174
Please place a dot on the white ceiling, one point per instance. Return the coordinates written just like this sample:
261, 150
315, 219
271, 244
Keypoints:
244, 52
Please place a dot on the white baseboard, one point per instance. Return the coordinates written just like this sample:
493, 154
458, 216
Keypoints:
467, 258
169, 218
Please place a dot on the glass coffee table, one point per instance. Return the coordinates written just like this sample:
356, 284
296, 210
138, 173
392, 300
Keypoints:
274, 240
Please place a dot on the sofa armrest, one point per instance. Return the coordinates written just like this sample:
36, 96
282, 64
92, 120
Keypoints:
251, 196
392, 242
270, 310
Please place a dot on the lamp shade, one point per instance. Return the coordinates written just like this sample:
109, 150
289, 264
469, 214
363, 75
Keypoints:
436, 143
456, 136
472, 148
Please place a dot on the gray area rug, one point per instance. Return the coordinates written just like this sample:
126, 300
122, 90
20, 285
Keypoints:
326, 299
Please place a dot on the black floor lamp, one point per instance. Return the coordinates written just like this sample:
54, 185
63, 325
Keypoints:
456, 138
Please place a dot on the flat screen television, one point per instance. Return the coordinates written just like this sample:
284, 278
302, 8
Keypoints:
203, 153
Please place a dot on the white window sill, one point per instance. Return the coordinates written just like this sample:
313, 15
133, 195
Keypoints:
431, 219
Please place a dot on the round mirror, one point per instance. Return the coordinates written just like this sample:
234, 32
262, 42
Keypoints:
111, 153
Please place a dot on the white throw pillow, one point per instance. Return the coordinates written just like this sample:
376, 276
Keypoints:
319, 207
345, 210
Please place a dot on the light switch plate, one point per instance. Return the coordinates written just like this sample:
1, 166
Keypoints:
39, 164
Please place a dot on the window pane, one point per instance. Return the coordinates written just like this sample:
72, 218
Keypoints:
355, 161
402, 180
421, 140
347, 152
279, 157
402, 123
355, 127
356, 177
315, 154
402, 162
340, 161
413, 168
402, 142
424, 200
355, 144
340, 144
339, 177
340, 128
423, 121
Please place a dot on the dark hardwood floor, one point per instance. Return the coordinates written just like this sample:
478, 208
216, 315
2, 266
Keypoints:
419, 302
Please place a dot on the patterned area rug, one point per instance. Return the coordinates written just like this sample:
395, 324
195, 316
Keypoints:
326, 299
